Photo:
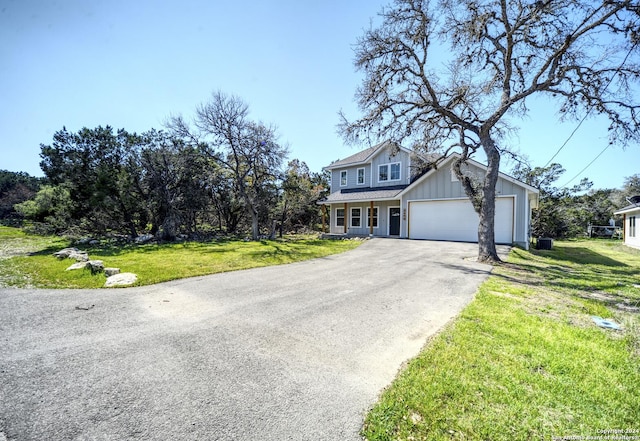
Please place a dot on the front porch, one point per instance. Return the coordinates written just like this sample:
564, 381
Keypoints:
362, 219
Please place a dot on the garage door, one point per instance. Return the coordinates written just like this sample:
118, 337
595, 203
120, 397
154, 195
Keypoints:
456, 220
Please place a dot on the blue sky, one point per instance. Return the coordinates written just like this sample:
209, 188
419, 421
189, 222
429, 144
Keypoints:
130, 64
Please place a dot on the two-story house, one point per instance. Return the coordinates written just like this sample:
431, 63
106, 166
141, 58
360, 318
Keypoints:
381, 191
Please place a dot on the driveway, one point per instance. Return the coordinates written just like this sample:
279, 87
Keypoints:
293, 352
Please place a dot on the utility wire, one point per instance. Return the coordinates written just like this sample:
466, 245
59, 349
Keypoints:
589, 110
588, 165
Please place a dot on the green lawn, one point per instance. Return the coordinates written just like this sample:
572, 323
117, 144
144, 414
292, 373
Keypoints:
524, 361
152, 263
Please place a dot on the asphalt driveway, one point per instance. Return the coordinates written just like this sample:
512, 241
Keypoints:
293, 352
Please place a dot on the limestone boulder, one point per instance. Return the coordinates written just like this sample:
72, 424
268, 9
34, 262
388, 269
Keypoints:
111, 271
122, 279
72, 253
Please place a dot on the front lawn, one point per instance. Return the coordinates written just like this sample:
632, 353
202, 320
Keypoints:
152, 263
525, 361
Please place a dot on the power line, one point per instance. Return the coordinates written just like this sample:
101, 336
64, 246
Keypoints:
589, 110
588, 165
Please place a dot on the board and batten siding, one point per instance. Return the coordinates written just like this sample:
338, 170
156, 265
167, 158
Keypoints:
383, 157
442, 185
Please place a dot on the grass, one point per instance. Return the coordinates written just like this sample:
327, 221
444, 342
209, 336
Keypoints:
524, 361
152, 263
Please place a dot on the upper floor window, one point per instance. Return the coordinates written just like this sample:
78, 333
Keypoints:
360, 180
389, 172
343, 178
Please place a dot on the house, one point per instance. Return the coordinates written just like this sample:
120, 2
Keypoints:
630, 235
381, 191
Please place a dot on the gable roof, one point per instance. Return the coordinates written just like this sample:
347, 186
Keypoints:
627, 209
449, 158
362, 157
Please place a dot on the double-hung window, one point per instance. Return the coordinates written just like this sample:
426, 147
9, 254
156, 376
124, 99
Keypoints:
343, 178
339, 217
389, 172
372, 218
632, 226
360, 176
356, 217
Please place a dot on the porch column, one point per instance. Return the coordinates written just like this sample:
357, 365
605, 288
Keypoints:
370, 217
624, 227
323, 208
346, 218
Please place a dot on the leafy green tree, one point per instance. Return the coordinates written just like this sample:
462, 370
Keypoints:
174, 184
447, 75
301, 189
95, 165
16, 187
51, 205
565, 212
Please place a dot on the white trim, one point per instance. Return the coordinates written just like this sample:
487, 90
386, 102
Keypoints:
366, 223
388, 165
628, 210
364, 176
514, 217
351, 217
399, 207
471, 161
344, 217
346, 178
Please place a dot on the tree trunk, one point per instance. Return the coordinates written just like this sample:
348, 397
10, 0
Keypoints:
255, 228
486, 228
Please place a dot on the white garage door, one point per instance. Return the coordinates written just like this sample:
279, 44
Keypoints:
456, 220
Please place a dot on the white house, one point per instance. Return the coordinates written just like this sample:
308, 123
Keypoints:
377, 192
629, 215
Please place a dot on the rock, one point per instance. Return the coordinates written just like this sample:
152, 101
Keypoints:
96, 266
77, 266
122, 279
94, 242
72, 253
144, 238
111, 271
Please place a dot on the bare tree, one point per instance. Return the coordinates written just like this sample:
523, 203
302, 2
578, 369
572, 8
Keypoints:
452, 74
248, 150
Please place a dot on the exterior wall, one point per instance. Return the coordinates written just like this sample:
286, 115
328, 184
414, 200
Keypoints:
363, 230
442, 185
382, 158
633, 241
371, 172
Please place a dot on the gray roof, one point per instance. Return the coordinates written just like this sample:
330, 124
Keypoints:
627, 209
379, 194
358, 158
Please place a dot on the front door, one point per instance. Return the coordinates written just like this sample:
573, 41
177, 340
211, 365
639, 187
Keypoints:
394, 221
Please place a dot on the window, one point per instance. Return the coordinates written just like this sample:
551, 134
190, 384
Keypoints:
395, 171
389, 172
374, 217
356, 215
632, 226
339, 217
343, 178
360, 176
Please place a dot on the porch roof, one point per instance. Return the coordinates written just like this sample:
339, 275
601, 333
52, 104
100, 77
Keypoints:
369, 194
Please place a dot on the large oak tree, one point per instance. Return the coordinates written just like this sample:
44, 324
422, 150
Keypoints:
455, 74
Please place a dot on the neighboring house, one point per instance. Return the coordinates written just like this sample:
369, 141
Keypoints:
630, 216
380, 192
